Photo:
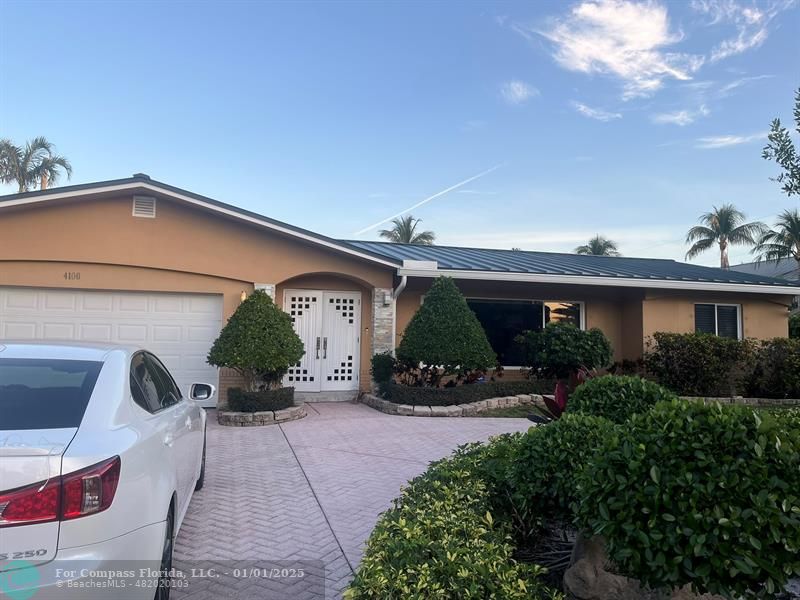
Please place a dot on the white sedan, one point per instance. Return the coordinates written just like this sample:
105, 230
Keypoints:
99, 458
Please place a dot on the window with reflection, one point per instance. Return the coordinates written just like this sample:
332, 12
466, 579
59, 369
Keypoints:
504, 320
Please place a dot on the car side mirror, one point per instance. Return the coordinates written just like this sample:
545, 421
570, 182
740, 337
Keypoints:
202, 391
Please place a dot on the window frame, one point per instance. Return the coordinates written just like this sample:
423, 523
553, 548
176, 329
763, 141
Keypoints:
739, 319
580, 303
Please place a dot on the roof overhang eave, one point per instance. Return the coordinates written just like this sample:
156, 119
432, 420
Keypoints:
628, 282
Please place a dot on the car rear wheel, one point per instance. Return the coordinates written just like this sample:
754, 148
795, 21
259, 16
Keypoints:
201, 480
165, 579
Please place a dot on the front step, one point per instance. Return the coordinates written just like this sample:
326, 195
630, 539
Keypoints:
346, 396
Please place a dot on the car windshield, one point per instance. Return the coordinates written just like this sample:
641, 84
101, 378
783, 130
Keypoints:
45, 393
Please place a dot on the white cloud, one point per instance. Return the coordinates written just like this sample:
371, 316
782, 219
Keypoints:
751, 23
723, 141
681, 117
624, 39
737, 83
517, 92
595, 113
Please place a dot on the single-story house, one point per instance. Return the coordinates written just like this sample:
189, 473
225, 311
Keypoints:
138, 261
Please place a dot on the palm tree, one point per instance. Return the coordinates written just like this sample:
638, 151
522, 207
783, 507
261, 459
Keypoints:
404, 231
725, 227
35, 163
599, 246
783, 242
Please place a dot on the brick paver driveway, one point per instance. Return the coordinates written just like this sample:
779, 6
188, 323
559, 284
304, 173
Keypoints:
305, 495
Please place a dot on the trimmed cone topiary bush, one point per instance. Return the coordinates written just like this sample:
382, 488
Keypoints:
258, 342
617, 397
689, 493
445, 335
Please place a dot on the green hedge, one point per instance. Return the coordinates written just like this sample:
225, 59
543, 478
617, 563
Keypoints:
688, 493
561, 348
617, 397
542, 478
463, 394
698, 364
242, 401
441, 540
776, 370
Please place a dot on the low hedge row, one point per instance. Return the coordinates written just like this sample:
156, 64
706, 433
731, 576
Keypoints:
242, 401
463, 394
441, 540
706, 365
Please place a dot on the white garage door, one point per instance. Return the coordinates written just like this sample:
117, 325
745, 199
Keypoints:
178, 328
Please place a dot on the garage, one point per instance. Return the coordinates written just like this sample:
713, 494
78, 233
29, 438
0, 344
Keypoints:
178, 328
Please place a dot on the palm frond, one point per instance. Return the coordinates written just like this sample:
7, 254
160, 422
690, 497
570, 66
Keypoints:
698, 232
699, 247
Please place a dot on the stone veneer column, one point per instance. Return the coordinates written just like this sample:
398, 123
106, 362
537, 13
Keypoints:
267, 287
382, 321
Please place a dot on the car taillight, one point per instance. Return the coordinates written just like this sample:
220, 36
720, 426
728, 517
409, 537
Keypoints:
85, 492
89, 490
37, 503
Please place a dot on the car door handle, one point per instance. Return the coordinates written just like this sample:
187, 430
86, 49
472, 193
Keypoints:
169, 440
188, 423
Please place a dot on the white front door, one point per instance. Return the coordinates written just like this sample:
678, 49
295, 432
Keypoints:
329, 324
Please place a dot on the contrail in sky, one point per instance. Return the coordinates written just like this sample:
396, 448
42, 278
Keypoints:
428, 199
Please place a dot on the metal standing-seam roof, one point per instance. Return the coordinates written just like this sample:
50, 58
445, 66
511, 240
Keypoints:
552, 263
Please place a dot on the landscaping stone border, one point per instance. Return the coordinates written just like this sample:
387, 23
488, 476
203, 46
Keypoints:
255, 419
761, 402
454, 410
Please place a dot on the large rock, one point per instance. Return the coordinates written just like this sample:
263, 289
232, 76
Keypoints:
589, 578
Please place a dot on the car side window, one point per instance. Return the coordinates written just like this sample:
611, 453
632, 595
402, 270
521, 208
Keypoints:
143, 388
167, 392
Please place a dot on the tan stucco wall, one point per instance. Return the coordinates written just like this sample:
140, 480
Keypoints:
184, 249
626, 316
763, 317
605, 307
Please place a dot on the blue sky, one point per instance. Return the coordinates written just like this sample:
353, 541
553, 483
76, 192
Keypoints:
621, 118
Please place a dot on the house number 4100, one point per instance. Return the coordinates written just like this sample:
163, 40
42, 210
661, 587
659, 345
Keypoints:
72, 275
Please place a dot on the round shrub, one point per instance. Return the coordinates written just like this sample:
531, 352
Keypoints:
441, 540
706, 495
617, 397
560, 349
258, 342
543, 477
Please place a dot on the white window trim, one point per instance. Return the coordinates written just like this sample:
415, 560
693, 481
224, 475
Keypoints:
581, 303
739, 320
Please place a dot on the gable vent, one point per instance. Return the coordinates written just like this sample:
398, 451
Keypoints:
144, 206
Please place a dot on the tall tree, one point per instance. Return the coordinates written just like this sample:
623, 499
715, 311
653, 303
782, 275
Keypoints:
724, 226
404, 231
34, 164
599, 246
781, 150
783, 241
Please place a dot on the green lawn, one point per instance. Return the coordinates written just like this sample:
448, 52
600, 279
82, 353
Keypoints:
516, 412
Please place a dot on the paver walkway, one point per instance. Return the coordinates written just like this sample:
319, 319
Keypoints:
305, 495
